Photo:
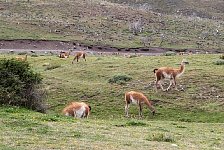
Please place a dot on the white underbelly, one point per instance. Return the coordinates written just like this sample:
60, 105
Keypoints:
134, 101
80, 112
167, 76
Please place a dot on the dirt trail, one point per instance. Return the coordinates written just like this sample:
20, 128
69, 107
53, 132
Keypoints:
56, 46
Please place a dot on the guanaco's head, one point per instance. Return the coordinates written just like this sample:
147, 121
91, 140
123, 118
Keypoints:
89, 107
153, 112
184, 61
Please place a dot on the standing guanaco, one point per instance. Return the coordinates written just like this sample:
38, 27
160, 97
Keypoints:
169, 73
22, 58
79, 55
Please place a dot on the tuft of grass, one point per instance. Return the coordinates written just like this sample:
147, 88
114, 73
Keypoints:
34, 55
76, 134
53, 118
161, 137
51, 67
119, 79
135, 123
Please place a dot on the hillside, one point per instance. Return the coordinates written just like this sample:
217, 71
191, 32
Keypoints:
200, 98
191, 118
211, 9
103, 23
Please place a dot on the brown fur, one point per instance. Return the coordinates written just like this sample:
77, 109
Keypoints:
78, 55
22, 58
71, 109
140, 99
168, 73
64, 54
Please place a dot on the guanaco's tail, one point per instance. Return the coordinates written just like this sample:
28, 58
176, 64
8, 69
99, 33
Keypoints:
155, 70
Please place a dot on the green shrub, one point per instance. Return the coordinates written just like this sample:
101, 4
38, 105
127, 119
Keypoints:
219, 62
19, 85
119, 79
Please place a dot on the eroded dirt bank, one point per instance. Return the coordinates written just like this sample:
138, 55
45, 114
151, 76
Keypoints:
42, 45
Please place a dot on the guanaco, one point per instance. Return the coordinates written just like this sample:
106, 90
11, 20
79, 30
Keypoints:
64, 54
79, 55
169, 73
139, 99
77, 110
22, 58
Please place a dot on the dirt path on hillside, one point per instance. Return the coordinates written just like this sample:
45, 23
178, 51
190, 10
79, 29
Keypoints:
56, 46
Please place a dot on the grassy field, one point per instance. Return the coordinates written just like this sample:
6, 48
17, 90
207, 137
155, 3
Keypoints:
189, 119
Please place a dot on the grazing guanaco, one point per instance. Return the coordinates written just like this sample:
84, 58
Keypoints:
22, 58
169, 73
77, 110
79, 55
139, 99
64, 54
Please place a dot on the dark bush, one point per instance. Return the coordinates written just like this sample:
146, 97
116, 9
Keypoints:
19, 86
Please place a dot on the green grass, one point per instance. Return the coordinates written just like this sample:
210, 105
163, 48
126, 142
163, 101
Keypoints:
23, 129
199, 101
191, 119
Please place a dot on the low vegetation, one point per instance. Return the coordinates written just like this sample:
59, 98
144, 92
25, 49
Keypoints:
219, 62
161, 137
119, 79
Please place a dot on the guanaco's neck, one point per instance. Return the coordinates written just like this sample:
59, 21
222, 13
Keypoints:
149, 105
25, 57
181, 70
